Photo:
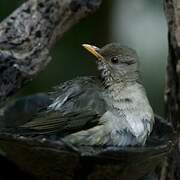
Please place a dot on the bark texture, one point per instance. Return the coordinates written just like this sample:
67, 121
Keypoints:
27, 35
172, 93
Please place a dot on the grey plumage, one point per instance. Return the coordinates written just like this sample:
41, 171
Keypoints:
77, 104
111, 111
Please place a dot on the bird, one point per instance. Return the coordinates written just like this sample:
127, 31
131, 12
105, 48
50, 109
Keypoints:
109, 110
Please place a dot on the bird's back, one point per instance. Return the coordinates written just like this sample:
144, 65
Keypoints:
74, 105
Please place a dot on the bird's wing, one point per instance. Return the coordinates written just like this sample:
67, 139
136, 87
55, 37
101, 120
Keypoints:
54, 121
21, 110
77, 105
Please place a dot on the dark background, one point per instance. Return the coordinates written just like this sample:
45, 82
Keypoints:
139, 24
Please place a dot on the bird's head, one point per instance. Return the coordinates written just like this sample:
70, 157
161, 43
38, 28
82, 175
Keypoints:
117, 63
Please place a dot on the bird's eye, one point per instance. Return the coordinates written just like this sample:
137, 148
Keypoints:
114, 60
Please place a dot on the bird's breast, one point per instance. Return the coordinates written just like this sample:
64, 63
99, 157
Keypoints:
131, 107
119, 98
129, 97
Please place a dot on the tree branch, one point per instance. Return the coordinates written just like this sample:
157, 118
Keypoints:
172, 11
28, 34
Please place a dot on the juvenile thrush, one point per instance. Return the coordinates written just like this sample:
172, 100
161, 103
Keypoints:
112, 110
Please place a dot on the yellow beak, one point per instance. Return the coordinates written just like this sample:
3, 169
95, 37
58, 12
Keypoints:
93, 50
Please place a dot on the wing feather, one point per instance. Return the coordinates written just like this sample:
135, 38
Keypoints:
77, 105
